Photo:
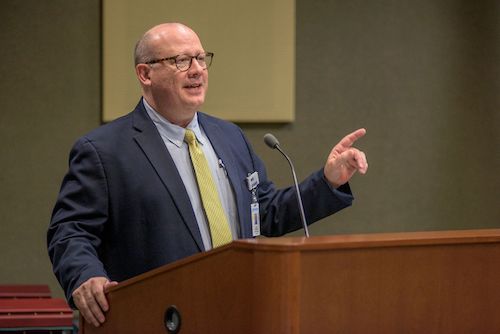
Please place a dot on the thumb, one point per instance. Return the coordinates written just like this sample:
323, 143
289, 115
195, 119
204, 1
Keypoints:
110, 284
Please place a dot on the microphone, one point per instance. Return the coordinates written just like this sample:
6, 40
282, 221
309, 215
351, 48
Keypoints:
273, 143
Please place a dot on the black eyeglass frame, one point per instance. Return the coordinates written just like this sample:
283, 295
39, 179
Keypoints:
174, 58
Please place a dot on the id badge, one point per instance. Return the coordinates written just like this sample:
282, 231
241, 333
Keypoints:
252, 181
254, 209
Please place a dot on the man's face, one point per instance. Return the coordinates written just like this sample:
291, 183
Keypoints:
176, 92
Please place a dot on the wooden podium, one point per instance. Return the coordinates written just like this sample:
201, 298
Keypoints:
422, 282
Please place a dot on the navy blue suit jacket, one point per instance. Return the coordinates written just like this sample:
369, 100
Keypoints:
123, 209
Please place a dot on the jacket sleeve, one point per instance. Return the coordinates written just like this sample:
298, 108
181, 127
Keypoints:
279, 209
78, 219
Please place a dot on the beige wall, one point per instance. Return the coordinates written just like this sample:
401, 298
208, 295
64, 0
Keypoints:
241, 97
422, 76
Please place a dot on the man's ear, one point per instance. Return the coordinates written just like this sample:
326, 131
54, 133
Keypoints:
142, 71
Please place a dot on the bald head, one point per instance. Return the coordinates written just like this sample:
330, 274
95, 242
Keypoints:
148, 46
174, 93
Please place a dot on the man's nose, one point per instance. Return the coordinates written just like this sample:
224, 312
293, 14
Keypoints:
195, 67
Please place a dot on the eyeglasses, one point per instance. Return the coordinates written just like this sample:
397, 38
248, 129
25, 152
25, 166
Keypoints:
183, 62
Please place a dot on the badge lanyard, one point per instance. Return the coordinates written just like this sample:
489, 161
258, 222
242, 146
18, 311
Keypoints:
252, 183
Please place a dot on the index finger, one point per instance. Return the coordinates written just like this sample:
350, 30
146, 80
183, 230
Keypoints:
100, 297
349, 140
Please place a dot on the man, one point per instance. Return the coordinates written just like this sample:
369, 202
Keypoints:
133, 200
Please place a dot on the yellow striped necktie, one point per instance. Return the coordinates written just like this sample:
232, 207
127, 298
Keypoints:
217, 220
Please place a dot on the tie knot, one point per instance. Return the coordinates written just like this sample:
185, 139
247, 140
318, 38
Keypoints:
189, 137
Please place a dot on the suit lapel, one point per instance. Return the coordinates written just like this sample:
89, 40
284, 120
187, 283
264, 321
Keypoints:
153, 147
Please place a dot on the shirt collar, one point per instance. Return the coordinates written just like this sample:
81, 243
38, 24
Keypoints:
174, 133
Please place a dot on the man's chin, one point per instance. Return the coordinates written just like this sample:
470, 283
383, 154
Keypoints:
195, 103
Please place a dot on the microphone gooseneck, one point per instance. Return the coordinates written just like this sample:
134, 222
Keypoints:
273, 143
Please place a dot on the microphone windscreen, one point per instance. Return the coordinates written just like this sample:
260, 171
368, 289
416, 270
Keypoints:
271, 140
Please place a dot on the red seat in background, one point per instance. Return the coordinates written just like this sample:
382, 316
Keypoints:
24, 291
30, 309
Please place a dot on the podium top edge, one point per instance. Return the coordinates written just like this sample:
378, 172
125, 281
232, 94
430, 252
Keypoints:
330, 242
372, 240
